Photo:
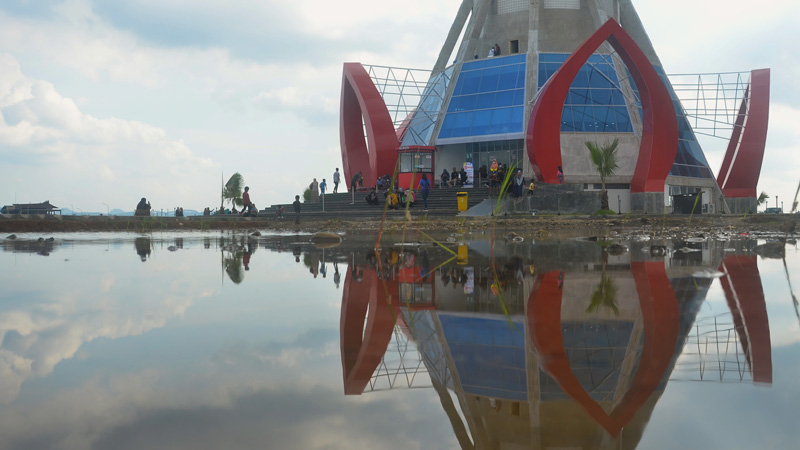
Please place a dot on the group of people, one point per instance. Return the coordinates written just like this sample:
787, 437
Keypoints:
454, 178
398, 197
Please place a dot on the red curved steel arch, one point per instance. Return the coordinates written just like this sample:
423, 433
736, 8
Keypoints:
741, 168
377, 154
659, 124
660, 314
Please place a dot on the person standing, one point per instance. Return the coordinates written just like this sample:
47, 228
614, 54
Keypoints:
425, 187
560, 174
496, 50
314, 186
322, 187
246, 198
336, 181
296, 205
356, 181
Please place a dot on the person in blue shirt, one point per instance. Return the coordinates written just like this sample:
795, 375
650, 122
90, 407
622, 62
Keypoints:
425, 187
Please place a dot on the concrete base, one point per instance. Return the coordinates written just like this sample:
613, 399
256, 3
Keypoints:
648, 202
742, 205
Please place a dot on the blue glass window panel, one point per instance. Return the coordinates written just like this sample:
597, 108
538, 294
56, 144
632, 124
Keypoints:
501, 121
521, 69
508, 78
519, 97
473, 65
617, 98
469, 82
599, 80
542, 78
480, 122
601, 97
463, 103
503, 99
582, 78
489, 80
567, 122
517, 116
552, 57
484, 101
462, 124
578, 97
447, 126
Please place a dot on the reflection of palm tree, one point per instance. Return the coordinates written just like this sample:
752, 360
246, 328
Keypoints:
605, 295
233, 266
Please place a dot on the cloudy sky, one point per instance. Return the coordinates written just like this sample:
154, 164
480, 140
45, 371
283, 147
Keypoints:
104, 102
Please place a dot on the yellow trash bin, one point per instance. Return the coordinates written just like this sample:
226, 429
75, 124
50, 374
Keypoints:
462, 201
463, 257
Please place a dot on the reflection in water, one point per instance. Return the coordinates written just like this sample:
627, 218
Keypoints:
528, 362
39, 246
236, 257
142, 246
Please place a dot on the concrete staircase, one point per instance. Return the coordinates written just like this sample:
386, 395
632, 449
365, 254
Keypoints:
441, 203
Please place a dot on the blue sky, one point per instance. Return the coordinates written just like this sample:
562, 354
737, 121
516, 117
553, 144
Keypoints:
104, 102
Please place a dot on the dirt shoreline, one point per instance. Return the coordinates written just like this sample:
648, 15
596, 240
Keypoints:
728, 223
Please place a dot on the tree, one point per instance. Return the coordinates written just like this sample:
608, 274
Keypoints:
762, 199
604, 159
232, 191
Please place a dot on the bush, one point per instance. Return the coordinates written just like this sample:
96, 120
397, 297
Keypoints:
307, 195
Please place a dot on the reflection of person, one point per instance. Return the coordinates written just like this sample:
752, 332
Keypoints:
337, 278
143, 208
246, 257
142, 246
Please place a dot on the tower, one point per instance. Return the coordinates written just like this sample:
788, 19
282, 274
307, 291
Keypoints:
529, 83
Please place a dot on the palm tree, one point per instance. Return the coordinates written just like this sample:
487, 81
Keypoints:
762, 198
232, 191
604, 159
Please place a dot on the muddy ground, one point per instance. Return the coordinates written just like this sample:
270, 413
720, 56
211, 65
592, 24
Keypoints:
650, 224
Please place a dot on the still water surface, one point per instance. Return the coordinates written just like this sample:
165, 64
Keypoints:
206, 341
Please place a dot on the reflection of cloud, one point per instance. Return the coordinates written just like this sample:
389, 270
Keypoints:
286, 355
35, 338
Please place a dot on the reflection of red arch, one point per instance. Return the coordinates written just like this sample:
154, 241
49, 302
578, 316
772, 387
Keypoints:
738, 176
745, 297
377, 154
361, 355
660, 316
659, 124
378, 302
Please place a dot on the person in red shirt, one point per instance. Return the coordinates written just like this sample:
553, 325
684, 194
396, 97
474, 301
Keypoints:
246, 198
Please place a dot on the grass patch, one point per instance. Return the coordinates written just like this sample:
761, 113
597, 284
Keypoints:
604, 212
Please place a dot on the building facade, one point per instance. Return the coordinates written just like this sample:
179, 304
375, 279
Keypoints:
531, 83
